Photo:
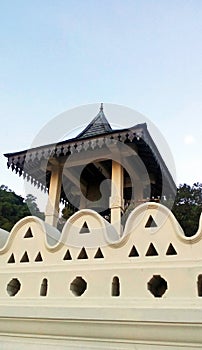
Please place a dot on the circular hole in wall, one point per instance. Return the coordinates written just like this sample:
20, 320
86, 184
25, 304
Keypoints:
13, 287
78, 286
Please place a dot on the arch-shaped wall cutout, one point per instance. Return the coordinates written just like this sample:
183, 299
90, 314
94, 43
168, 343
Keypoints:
101, 232
199, 285
48, 235
164, 215
44, 287
115, 287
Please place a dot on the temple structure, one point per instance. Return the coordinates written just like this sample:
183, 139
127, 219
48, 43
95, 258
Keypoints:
101, 169
108, 280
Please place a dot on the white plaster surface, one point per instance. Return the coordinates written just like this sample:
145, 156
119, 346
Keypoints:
134, 319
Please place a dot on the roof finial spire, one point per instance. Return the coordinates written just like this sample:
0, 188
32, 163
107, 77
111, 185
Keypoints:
101, 107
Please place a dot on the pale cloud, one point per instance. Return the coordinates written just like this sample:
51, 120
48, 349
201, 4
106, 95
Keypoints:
189, 139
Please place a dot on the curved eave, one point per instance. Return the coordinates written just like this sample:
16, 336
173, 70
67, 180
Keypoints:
75, 140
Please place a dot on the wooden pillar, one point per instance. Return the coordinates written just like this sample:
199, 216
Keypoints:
52, 208
116, 199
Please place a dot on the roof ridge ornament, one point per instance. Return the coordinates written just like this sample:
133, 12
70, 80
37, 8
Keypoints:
98, 126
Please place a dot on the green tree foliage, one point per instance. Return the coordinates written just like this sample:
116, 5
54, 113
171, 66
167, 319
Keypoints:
67, 212
30, 201
188, 207
14, 207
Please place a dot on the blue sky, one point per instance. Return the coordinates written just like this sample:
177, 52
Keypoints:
147, 55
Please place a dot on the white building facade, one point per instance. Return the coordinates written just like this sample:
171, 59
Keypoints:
114, 278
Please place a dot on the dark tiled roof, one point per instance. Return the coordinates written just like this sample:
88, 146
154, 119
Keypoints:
28, 163
99, 125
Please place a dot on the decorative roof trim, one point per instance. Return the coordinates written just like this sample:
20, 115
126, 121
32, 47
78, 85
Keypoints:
32, 158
